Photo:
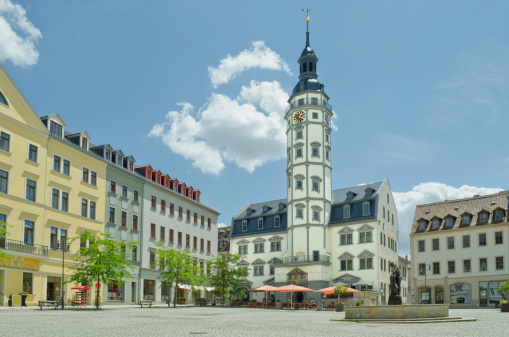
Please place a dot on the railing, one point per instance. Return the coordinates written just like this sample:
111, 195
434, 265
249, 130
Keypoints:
309, 101
20, 246
306, 259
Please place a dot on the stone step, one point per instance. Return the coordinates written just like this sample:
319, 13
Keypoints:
411, 320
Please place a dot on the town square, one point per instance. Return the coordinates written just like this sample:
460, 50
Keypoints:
224, 168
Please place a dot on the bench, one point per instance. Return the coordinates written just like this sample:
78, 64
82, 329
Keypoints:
200, 303
48, 304
146, 302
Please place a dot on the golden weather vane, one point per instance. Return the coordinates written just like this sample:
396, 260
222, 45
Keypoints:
307, 10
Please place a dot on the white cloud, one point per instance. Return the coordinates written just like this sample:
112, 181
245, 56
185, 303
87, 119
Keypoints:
221, 225
393, 149
258, 56
229, 130
425, 193
18, 36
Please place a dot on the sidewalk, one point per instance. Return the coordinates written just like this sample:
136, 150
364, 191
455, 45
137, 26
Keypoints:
107, 306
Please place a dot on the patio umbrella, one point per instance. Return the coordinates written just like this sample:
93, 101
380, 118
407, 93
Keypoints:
330, 290
81, 288
266, 289
291, 288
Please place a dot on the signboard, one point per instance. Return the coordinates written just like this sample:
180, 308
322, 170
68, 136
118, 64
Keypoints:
16, 300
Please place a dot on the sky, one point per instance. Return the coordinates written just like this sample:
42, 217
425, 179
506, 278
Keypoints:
198, 89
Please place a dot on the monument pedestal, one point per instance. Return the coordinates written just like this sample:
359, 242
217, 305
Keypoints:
395, 300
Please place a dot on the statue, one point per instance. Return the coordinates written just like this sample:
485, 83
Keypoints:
395, 286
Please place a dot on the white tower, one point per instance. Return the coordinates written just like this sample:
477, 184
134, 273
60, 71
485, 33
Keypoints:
308, 133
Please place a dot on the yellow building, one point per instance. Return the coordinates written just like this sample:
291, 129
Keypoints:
51, 188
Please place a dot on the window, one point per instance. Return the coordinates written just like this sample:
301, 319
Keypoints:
162, 232
498, 238
465, 219
180, 212
346, 211
259, 248
435, 223
55, 198
135, 196
153, 202
316, 215
327, 154
315, 114
346, 239
483, 218
258, 271
195, 218
66, 168
436, 268
63, 238
499, 262
149, 287
448, 222
195, 243
152, 260
482, 239
277, 221
298, 153
498, 215
135, 253
180, 238
153, 230
135, 222
244, 225
92, 210
243, 249
170, 234
365, 209
365, 237
108, 155
124, 219
260, 223
327, 137
300, 213
202, 221
346, 264
32, 153
422, 269
314, 152
84, 207
272, 270
112, 215
56, 163
55, 129
85, 175
208, 246
5, 141
30, 191
315, 186
450, 243
299, 185
483, 264
466, 241
84, 143
53, 238
422, 224
299, 135
366, 263
188, 215
163, 206
29, 232
451, 267
421, 246
4, 177
436, 244
466, 266
188, 240
275, 246
28, 282
124, 191
65, 201
119, 160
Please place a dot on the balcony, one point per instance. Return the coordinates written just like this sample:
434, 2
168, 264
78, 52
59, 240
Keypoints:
21, 247
306, 259
309, 101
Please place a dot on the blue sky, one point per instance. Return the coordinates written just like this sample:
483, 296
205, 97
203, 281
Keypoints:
197, 89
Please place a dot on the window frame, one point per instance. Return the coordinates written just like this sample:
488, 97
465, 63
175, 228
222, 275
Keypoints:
5, 142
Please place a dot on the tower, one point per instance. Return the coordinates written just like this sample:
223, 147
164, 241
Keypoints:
309, 168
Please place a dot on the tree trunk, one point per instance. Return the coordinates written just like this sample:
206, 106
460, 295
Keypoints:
169, 302
97, 294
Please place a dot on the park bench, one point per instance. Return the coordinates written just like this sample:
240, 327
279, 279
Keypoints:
200, 303
146, 302
48, 304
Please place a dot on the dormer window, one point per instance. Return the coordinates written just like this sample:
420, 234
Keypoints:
84, 143
483, 218
108, 155
466, 219
366, 209
346, 212
422, 225
244, 225
119, 160
498, 215
55, 129
449, 222
435, 223
131, 165
260, 223
277, 221
350, 195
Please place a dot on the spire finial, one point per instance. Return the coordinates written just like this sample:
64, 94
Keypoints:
307, 10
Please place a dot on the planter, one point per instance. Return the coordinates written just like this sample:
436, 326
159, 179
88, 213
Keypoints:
10, 303
504, 307
278, 305
23, 300
340, 307
181, 302
319, 307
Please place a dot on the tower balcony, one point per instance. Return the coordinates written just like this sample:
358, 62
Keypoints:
305, 259
14, 247
309, 101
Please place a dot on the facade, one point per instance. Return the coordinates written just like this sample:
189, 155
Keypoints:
223, 240
406, 285
174, 216
316, 236
459, 250
42, 188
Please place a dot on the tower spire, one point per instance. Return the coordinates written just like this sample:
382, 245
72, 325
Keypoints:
307, 10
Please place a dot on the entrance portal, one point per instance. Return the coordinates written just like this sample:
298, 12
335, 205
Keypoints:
53, 290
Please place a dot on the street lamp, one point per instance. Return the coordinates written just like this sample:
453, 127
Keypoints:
422, 270
64, 248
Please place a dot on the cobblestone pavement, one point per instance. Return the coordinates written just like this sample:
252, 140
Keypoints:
216, 321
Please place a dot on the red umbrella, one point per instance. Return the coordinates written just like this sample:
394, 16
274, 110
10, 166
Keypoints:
265, 288
81, 288
330, 290
291, 288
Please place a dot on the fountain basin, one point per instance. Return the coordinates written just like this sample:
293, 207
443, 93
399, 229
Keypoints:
397, 311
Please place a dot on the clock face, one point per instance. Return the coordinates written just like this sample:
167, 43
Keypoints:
299, 116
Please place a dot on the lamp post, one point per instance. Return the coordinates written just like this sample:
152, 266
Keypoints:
64, 249
423, 270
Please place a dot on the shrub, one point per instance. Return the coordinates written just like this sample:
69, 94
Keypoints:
358, 303
181, 299
254, 300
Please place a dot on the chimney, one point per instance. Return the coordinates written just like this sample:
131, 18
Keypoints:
406, 257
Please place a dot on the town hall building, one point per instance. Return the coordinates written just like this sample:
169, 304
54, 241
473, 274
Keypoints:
317, 236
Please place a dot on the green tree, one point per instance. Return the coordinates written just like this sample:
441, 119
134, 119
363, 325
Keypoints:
504, 288
178, 266
103, 260
3, 232
340, 290
227, 278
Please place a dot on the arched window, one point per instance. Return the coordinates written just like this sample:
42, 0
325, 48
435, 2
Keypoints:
310, 66
2, 99
460, 293
304, 67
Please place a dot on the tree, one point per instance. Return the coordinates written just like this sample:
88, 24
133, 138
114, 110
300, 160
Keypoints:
3, 232
504, 288
103, 260
226, 277
340, 290
178, 266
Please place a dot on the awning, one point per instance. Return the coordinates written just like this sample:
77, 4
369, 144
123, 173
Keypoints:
184, 286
